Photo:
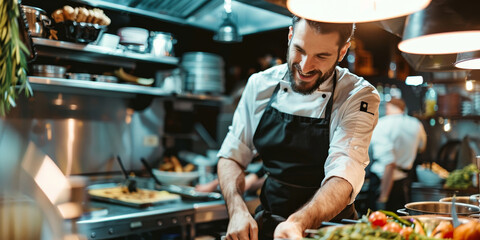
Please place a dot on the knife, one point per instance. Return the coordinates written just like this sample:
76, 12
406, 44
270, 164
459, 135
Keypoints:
456, 223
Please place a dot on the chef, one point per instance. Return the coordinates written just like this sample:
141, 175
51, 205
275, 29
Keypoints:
311, 122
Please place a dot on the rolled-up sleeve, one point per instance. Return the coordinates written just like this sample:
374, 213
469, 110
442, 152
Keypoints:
352, 131
238, 145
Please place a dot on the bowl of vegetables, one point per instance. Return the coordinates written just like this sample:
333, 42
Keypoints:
388, 225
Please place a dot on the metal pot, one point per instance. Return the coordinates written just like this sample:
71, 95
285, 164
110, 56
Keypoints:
473, 199
37, 21
438, 208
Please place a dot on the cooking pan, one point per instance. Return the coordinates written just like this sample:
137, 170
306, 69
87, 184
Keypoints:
438, 208
473, 199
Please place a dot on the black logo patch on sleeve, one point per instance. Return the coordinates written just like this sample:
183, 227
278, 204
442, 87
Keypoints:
364, 107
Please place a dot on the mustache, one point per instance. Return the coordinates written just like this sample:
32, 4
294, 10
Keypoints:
298, 68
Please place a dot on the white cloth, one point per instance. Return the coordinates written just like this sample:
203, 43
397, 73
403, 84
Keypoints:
350, 128
396, 138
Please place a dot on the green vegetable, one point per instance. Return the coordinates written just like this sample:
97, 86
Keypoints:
461, 178
13, 60
402, 221
361, 231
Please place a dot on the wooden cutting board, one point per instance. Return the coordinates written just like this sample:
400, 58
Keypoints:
141, 198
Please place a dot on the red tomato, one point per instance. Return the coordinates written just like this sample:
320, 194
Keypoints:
406, 231
377, 218
392, 227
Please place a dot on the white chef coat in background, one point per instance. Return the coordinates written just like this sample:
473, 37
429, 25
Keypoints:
351, 123
397, 138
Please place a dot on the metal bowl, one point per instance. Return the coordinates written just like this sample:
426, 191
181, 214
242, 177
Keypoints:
439, 208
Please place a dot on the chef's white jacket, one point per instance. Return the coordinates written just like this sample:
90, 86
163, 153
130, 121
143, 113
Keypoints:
396, 139
354, 116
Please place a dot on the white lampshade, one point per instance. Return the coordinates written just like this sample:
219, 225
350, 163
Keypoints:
468, 60
444, 27
354, 11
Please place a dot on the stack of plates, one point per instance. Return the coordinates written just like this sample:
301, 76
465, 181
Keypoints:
204, 72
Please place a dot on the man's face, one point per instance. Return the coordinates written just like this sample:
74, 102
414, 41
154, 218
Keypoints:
311, 57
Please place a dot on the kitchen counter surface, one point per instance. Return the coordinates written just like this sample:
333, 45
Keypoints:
107, 220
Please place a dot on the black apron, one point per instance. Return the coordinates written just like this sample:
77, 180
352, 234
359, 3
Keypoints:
293, 149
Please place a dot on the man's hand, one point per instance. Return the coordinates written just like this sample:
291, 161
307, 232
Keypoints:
289, 230
242, 226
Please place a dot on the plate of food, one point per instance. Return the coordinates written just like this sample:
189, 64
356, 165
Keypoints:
381, 224
119, 194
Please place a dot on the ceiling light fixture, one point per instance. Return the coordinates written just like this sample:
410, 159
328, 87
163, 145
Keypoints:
471, 78
348, 11
444, 27
228, 31
468, 60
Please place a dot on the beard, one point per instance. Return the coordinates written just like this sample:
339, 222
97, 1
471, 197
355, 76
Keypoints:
302, 87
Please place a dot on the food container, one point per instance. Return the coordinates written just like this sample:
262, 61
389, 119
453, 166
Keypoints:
37, 21
133, 36
49, 71
108, 40
105, 78
79, 76
438, 208
161, 44
79, 32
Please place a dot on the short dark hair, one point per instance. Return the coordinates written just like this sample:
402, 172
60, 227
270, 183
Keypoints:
345, 30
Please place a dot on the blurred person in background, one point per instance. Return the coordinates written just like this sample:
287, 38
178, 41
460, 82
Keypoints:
396, 140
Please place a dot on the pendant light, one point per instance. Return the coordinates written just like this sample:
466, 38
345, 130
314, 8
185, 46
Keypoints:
468, 60
356, 11
228, 31
444, 27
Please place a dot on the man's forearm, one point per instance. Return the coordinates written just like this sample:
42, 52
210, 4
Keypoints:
232, 183
329, 201
386, 182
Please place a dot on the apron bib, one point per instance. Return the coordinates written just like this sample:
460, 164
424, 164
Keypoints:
293, 149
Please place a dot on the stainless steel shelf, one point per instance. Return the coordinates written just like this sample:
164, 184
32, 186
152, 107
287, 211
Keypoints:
62, 85
96, 54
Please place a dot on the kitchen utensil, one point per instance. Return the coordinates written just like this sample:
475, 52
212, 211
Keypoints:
149, 169
191, 193
455, 221
439, 208
130, 183
37, 21
49, 71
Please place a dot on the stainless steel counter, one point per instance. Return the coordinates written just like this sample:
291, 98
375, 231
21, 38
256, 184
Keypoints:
110, 220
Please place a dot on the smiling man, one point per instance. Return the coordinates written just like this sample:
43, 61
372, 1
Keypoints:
311, 122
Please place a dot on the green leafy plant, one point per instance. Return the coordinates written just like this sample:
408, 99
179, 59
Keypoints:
13, 57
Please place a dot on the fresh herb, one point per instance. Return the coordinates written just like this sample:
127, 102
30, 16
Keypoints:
13, 57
